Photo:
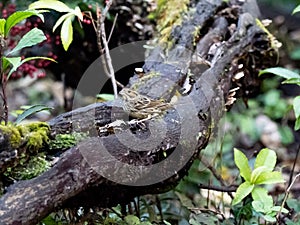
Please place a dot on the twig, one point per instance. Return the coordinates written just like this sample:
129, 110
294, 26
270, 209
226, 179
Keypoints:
113, 27
227, 189
101, 35
291, 183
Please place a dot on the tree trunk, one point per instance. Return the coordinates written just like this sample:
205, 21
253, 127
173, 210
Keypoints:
121, 159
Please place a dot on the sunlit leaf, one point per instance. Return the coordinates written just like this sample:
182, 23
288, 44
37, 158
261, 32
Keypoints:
17, 17
15, 62
268, 177
61, 19
256, 173
78, 13
296, 106
105, 97
292, 81
50, 4
243, 190
30, 111
261, 194
2, 26
33, 37
241, 162
282, 72
66, 33
297, 9
297, 124
267, 158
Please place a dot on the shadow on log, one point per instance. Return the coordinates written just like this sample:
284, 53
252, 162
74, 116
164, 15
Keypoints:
122, 158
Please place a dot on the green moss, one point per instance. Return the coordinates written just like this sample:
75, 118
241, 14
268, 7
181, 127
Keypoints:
64, 141
35, 166
34, 134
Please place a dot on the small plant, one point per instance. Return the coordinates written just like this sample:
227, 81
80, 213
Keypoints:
290, 78
262, 173
10, 61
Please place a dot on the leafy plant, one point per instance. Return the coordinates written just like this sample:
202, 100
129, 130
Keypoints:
9, 61
261, 174
66, 32
290, 78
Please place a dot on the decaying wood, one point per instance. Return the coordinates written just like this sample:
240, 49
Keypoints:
227, 37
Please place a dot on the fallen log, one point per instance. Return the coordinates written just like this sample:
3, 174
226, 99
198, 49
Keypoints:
122, 158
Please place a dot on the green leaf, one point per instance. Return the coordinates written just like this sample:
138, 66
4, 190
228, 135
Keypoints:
278, 208
50, 4
297, 124
270, 218
297, 9
14, 61
17, 17
241, 162
61, 19
296, 106
32, 110
37, 57
243, 190
66, 33
268, 177
31, 38
292, 81
287, 136
282, 72
260, 194
267, 158
2, 26
105, 97
256, 173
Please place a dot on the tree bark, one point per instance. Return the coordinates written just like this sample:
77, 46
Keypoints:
106, 169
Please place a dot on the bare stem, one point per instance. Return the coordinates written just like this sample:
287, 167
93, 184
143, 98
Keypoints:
101, 36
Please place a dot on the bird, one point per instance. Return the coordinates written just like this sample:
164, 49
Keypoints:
140, 106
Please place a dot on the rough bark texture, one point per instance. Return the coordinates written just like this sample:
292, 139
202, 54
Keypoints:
227, 36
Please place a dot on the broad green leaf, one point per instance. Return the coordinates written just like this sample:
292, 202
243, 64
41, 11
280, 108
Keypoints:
278, 208
2, 26
258, 206
243, 190
66, 33
19, 63
15, 62
17, 17
256, 173
78, 13
268, 177
270, 218
282, 72
50, 4
297, 9
267, 158
5, 63
32, 110
32, 37
261, 195
296, 106
61, 19
241, 162
292, 81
